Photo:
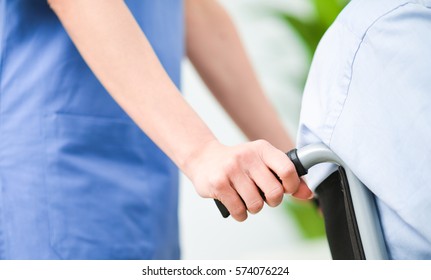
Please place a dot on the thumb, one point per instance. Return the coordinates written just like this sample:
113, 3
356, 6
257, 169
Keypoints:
303, 191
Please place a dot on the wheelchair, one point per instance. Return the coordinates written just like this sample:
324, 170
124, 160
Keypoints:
349, 209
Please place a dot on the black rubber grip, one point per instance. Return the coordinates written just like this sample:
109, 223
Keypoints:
293, 156
223, 210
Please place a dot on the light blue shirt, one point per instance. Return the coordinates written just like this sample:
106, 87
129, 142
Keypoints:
368, 97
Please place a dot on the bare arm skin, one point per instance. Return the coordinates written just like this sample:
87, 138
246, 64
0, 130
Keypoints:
129, 69
214, 48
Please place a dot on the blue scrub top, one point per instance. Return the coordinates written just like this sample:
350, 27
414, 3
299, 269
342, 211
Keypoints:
78, 179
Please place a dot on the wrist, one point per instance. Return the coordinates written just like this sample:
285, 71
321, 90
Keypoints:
196, 155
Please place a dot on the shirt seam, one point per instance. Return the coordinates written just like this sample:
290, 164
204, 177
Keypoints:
354, 60
2, 58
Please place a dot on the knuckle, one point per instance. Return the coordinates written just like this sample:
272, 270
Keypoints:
238, 211
275, 196
240, 156
240, 218
261, 142
256, 206
287, 172
232, 165
262, 145
218, 183
243, 156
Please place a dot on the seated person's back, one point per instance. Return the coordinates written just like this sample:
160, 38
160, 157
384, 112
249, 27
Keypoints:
368, 97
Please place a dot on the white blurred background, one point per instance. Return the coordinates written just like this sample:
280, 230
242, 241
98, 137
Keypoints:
280, 62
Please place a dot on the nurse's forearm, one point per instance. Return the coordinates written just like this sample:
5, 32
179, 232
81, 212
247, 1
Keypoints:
117, 51
215, 50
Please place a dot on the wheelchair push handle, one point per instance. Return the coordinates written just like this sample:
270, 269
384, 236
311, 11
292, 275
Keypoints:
362, 200
300, 170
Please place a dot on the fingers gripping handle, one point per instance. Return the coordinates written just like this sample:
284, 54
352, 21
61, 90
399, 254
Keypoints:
300, 170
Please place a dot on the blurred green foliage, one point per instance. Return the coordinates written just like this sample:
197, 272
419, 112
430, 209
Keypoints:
307, 217
310, 28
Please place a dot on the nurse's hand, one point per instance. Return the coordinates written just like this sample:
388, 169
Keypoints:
234, 174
